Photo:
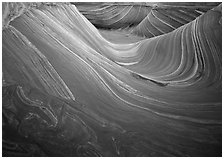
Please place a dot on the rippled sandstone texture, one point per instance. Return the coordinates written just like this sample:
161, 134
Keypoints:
67, 91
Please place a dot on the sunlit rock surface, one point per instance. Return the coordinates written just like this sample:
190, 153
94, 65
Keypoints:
166, 17
152, 18
70, 90
114, 15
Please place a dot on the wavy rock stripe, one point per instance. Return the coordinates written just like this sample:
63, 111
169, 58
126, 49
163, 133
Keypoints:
33, 59
185, 59
166, 17
114, 15
157, 97
37, 104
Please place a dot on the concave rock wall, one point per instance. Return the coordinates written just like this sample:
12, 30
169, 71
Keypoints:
147, 19
67, 91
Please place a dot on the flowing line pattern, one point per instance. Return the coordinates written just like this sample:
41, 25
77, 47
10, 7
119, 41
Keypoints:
166, 17
114, 15
75, 93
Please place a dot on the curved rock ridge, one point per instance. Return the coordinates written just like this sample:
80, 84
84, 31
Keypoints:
166, 17
11, 10
114, 15
67, 91
151, 18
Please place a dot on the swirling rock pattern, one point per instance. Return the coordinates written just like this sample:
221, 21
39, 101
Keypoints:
152, 18
67, 91
114, 15
166, 17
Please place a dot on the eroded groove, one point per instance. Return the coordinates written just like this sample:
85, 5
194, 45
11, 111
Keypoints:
71, 89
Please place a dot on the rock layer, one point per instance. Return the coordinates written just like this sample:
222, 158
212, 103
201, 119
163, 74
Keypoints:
67, 91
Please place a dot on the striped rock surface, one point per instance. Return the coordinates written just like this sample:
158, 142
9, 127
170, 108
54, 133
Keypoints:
67, 91
151, 18
166, 17
114, 15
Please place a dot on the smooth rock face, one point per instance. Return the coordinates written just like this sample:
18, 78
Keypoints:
70, 89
